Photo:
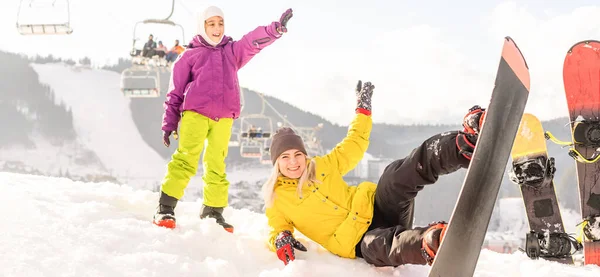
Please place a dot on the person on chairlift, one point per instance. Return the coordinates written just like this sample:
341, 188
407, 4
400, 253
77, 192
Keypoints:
175, 51
161, 50
149, 47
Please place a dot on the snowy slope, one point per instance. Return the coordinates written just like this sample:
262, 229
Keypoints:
49, 159
63, 228
102, 120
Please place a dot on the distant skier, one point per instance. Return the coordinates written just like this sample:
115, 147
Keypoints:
370, 221
204, 95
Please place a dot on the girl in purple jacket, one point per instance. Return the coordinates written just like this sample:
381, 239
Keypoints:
204, 99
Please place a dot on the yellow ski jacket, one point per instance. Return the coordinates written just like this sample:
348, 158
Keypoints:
329, 212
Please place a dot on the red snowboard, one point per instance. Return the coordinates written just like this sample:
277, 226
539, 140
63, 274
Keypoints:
581, 76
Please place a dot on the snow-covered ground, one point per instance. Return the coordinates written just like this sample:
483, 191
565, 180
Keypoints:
58, 227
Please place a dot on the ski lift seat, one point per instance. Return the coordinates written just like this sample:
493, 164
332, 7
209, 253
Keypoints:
43, 19
148, 93
44, 29
251, 150
140, 82
256, 135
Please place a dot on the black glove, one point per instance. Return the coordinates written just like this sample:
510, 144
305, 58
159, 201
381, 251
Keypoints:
473, 120
285, 244
465, 143
363, 95
166, 135
285, 17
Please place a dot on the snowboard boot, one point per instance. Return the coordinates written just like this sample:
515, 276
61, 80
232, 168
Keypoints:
432, 239
165, 212
217, 214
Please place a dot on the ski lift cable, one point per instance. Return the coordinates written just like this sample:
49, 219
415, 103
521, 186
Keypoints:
277, 112
262, 103
191, 15
185, 8
172, 9
19, 10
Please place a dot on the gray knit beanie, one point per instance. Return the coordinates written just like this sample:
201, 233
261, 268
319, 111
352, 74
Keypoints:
285, 139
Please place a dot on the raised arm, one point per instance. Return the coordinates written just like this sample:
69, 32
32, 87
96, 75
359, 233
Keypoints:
261, 37
348, 153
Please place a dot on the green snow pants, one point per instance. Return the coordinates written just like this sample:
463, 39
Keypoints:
194, 130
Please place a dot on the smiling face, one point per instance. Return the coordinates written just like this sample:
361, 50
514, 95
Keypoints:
214, 28
292, 163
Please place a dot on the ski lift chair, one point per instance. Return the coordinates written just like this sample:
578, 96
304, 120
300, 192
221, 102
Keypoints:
44, 28
155, 60
148, 76
251, 149
253, 139
140, 82
255, 133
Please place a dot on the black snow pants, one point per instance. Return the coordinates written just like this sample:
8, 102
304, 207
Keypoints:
391, 239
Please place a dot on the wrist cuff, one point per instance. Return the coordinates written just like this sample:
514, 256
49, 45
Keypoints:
363, 111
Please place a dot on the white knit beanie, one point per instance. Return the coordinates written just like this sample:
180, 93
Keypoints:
203, 16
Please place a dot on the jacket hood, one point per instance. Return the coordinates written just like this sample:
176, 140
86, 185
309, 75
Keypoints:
202, 17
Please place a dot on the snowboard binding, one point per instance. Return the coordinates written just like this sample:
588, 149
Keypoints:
591, 228
554, 245
533, 172
585, 134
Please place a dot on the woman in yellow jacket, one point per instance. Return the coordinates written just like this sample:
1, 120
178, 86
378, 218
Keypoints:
370, 221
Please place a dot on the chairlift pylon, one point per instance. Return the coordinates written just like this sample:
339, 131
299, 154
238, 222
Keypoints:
62, 27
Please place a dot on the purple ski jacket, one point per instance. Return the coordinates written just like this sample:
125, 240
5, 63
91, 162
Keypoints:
204, 78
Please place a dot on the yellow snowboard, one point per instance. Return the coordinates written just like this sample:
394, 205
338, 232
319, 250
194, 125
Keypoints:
533, 172
530, 140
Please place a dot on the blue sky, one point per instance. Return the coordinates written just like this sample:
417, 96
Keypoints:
429, 60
